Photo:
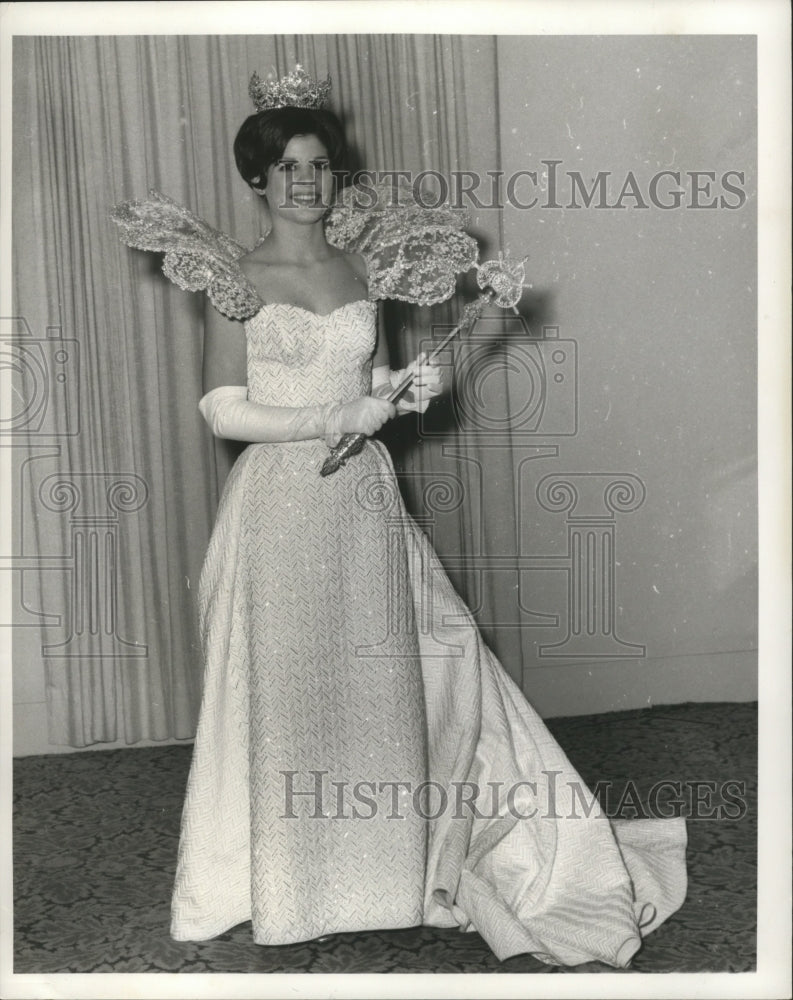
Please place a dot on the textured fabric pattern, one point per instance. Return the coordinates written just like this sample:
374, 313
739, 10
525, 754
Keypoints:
543, 877
335, 645
293, 589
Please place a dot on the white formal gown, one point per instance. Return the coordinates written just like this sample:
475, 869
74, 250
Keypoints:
342, 671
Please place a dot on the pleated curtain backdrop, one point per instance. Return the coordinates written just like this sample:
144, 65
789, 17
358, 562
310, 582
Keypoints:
100, 120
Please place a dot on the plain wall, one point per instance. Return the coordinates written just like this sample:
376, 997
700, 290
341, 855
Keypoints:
662, 304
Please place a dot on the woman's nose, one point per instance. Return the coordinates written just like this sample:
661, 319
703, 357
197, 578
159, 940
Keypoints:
305, 173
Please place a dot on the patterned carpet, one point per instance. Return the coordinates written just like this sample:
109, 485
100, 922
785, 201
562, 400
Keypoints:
95, 838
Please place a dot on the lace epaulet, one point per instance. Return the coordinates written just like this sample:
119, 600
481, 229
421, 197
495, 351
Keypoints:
197, 257
413, 253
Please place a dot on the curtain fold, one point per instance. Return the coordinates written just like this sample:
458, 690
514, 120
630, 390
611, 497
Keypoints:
127, 497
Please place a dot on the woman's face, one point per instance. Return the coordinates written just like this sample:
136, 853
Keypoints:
300, 184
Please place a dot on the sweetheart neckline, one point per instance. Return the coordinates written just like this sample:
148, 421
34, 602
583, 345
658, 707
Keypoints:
310, 312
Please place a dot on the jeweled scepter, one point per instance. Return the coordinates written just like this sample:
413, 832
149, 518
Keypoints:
501, 282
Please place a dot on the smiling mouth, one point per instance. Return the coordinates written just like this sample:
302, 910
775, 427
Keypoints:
307, 199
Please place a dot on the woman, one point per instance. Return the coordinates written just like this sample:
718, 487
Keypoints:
335, 685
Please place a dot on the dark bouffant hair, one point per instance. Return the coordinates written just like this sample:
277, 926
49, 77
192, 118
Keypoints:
263, 137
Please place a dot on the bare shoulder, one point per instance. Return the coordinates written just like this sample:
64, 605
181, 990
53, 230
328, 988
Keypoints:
260, 270
357, 264
253, 261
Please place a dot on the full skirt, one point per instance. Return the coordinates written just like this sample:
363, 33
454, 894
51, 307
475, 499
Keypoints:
362, 759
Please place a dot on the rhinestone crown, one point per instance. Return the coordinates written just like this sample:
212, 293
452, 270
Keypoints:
295, 90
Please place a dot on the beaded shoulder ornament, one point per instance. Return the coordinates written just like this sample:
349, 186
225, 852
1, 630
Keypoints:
412, 252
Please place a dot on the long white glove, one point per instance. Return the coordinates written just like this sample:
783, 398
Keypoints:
426, 384
230, 414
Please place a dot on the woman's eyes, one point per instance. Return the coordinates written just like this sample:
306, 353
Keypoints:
288, 166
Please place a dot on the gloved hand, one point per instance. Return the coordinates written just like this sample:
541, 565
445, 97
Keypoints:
427, 384
230, 414
364, 415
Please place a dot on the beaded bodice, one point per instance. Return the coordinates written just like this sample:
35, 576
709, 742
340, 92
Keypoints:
300, 358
